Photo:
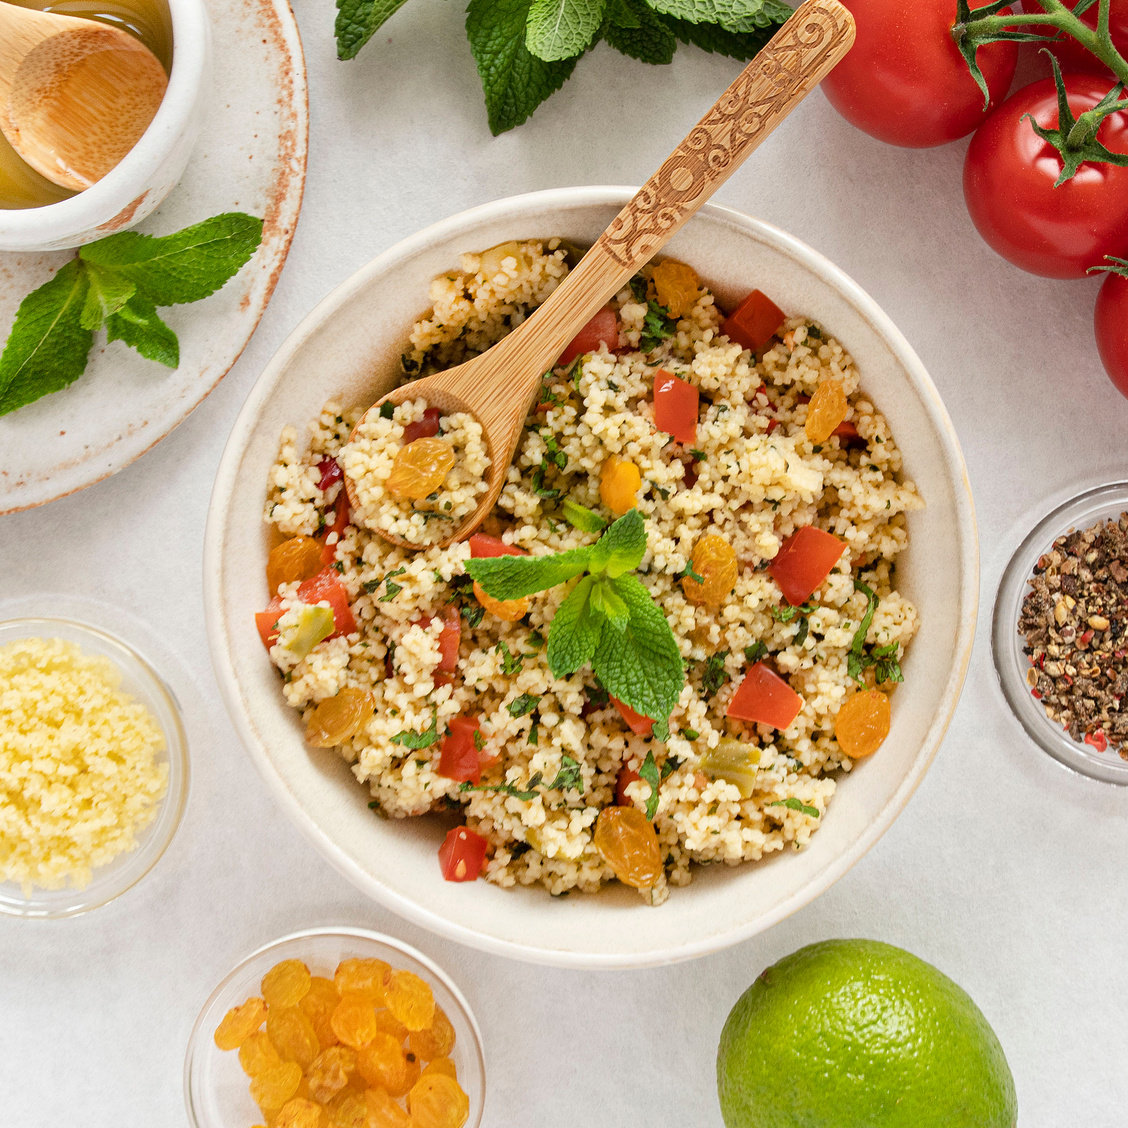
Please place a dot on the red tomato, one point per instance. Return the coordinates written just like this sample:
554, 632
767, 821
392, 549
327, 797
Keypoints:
626, 778
905, 82
848, 435
1070, 53
449, 638
636, 722
266, 620
326, 586
803, 562
482, 545
425, 428
603, 328
339, 525
462, 854
458, 755
1111, 323
1009, 176
675, 407
330, 472
753, 323
764, 697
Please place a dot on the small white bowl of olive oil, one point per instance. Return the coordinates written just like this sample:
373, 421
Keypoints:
37, 215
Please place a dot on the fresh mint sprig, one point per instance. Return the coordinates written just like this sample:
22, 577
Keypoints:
117, 283
607, 619
860, 657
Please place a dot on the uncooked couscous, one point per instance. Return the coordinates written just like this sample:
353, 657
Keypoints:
773, 504
79, 769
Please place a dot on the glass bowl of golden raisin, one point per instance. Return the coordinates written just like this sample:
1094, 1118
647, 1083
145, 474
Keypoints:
335, 1028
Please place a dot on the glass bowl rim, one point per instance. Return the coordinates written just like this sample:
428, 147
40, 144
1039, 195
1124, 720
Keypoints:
136, 863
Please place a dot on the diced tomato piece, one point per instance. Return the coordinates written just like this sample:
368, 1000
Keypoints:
458, 756
848, 435
339, 525
772, 426
482, 545
326, 586
636, 722
754, 322
462, 854
266, 620
626, 778
449, 638
425, 428
675, 407
603, 328
764, 697
804, 561
330, 472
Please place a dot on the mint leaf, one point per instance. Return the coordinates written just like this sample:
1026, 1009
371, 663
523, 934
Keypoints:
416, 740
185, 266
511, 577
569, 776
139, 326
47, 347
640, 665
649, 773
508, 788
621, 548
735, 15
357, 20
522, 706
715, 673
582, 518
796, 805
855, 660
633, 28
716, 40
514, 80
559, 29
606, 603
106, 294
575, 632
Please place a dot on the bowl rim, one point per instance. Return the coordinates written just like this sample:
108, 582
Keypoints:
128, 181
227, 479
70, 901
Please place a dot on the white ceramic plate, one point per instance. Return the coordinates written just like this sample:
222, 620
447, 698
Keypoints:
347, 349
251, 157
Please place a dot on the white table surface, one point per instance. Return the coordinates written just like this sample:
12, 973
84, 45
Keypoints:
1006, 871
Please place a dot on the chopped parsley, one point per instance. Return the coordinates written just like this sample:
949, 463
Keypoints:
387, 409
689, 734
509, 788
796, 805
656, 326
670, 766
391, 590
688, 571
535, 640
534, 734
786, 612
510, 663
523, 705
715, 674
416, 740
755, 652
649, 773
570, 776
883, 659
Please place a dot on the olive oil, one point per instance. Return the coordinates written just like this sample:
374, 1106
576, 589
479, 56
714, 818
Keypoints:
146, 20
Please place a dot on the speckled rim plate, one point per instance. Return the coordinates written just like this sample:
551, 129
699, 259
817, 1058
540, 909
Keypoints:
251, 157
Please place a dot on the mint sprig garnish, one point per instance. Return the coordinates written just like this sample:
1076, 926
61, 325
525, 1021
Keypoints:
607, 619
117, 283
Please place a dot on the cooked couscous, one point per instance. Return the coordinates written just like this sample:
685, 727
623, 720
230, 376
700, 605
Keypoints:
773, 510
79, 774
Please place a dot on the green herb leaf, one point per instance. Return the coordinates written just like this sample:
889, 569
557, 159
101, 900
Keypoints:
671, 764
523, 705
536, 640
715, 673
690, 734
569, 776
357, 20
716, 40
185, 266
605, 603
796, 805
574, 634
108, 292
855, 660
633, 28
416, 740
387, 410
621, 548
649, 773
755, 652
510, 663
514, 80
801, 633
534, 733
47, 347
391, 590
582, 518
559, 29
509, 788
139, 326
736, 15
785, 612
657, 325
511, 577
688, 571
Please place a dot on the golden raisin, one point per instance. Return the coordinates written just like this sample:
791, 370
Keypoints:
387, 1023
272, 1089
257, 1054
339, 718
292, 561
318, 1005
329, 1072
619, 481
354, 1021
419, 468
826, 410
676, 287
410, 1000
293, 1035
862, 723
508, 609
383, 1112
239, 1023
383, 1064
299, 1113
440, 1065
285, 983
437, 1101
714, 560
626, 841
363, 977
348, 1109
436, 1041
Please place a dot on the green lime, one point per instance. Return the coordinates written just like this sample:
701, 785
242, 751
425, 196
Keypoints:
859, 1034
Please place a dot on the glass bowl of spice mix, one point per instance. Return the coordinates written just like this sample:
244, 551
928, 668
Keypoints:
1060, 633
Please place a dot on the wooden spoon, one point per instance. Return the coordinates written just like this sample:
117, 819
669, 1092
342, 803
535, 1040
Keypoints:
500, 387
75, 95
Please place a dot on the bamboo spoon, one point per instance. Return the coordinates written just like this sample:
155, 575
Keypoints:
75, 95
500, 386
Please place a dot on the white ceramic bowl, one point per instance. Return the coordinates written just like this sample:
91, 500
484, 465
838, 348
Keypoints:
348, 348
147, 173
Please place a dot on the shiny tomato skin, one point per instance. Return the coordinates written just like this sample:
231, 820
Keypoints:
458, 755
603, 328
675, 407
326, 586
754, 322
449, 639
462, 854
625, 778
904, 81
265, 622
1110, 319
765, 698
1009, 175
804, 561
1070, 54
483, 546
425, 428
636, 722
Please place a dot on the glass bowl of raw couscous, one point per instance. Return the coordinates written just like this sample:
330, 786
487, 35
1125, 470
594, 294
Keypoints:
674, 643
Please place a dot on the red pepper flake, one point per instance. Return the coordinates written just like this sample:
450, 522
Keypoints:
1097, 739
1085, 638
772, 426
1034, 693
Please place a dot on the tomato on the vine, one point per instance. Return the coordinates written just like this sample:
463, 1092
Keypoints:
905, 82
1110, 319
1009, 176
1070, 53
